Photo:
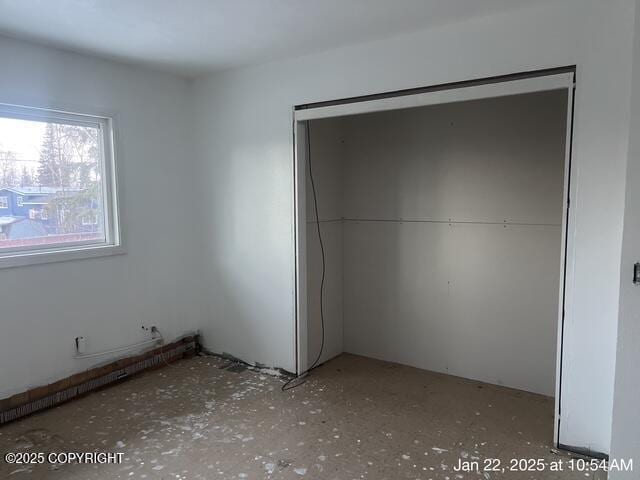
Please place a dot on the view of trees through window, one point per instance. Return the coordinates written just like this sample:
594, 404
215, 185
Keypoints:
50, 183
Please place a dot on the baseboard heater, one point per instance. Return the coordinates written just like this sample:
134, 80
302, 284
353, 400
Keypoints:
40, 398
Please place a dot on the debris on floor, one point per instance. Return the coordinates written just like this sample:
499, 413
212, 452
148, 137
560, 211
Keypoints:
354, 418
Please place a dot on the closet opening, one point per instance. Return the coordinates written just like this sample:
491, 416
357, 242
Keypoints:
443, 216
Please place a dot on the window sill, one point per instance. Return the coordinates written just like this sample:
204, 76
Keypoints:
59, 255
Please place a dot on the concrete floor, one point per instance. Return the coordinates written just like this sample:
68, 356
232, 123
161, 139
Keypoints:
355, 418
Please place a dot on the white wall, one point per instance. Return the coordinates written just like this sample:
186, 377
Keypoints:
246, 149
493, 160
244, 144
625, 442
327, 157
44, 307
477, 297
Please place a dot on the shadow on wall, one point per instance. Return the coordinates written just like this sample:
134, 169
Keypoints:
451, 238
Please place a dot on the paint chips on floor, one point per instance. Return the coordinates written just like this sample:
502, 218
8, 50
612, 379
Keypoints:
354, 418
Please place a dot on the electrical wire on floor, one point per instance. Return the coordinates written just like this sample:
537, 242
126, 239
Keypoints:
301, 378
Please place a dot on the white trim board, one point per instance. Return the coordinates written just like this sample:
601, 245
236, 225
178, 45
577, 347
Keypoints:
455, 94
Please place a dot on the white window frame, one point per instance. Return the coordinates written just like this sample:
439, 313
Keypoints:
112, 243
4, 202
19, 200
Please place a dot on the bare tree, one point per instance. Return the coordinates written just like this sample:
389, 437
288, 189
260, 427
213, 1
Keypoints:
8, 175
26, 179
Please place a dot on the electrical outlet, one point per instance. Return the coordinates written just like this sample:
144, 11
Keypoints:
81, 345
153, 330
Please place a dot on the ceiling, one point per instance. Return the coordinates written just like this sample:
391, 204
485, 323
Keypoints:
192, 37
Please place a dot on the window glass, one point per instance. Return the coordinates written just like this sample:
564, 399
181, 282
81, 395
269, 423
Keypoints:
51, 183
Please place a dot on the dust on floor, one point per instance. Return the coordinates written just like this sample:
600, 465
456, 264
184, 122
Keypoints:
355, 418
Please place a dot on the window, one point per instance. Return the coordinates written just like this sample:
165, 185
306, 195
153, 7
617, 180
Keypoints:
61, 165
